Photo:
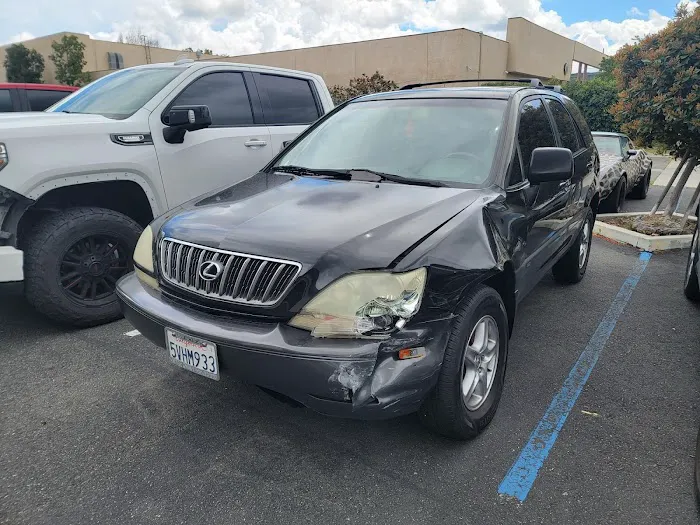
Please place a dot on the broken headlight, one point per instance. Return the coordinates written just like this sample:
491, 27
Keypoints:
143, 258
363, 305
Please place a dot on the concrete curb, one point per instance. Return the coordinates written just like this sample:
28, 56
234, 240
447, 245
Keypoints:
649, 243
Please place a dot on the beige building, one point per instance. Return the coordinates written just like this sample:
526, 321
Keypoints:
528, 51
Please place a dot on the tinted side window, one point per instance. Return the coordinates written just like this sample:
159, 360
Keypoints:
40, 99
225, 94
5, 101
290, 100
565, 126
534, 131
580, 122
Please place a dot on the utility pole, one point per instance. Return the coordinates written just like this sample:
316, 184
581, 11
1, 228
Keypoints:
147, 48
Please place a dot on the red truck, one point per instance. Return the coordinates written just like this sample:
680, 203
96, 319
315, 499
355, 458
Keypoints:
31, 97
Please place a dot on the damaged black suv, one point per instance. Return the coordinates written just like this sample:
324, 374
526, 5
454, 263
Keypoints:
374, 267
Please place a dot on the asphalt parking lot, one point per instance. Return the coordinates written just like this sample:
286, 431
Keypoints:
97, 427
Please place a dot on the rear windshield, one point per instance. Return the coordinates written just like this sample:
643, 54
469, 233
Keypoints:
118, 95
450, 140
608, 145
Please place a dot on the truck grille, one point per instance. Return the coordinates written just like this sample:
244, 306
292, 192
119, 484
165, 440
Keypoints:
235, 277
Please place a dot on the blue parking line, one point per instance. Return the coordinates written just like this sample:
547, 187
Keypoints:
523, 473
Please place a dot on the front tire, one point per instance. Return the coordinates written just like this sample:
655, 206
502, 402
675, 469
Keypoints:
73, 260
470, 384
691, 287
572, 266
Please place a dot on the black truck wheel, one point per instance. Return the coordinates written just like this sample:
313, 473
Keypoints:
471, 378
572, 266
73, 260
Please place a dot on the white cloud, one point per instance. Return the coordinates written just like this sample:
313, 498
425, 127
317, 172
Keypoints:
20, 37
635, 12
249, 26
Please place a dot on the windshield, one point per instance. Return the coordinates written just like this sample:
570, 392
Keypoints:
118, 95
608, 145
442, 139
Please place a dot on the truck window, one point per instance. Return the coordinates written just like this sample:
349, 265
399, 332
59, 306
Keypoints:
287, 100
5, 101
118, 95
40, 99
225, 94
534, 131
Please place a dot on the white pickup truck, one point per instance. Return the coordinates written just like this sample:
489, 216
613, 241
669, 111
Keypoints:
80, 181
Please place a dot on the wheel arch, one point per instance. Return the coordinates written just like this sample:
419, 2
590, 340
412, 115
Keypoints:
128, 197
503, 281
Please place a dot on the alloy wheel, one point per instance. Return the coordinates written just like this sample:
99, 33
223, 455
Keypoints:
90, 268
479, 362
585, 244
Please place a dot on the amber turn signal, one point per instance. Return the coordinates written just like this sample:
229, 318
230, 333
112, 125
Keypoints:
411, 353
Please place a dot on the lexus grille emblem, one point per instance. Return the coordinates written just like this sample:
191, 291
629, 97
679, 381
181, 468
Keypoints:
210, 270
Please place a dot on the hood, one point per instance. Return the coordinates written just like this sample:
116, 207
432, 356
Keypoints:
328, 224
40, 119
607, 161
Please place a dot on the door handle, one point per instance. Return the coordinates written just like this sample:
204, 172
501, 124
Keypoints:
255, 143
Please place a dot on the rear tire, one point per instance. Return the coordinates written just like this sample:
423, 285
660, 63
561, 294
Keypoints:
463, 412
641, 190
73, 260
613, 203
691, 287
572, 266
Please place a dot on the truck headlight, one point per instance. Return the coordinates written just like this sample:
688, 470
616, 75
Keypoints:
4, 159
143, 258
363, 305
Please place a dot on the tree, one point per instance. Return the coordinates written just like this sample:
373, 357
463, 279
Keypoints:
69, 58
682, 10
204, 51
23, 64
595, 98
362, 85
136, 36
659, 81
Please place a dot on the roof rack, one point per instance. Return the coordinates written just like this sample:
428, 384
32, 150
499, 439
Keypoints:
534, 82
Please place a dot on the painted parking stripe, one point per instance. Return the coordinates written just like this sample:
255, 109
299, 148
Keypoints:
133, 333
523, 473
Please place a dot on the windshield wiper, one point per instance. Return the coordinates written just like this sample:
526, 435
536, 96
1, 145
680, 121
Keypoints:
310, 172
362, 174
400, 179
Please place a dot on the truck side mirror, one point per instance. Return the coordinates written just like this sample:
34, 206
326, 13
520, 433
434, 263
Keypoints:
182, 119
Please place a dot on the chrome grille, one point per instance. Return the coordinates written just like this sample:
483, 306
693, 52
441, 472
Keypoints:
246, 279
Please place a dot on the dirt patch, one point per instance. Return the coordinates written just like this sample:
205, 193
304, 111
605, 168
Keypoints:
656, 225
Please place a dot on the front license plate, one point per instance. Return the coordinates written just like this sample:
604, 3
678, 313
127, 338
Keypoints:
193, 354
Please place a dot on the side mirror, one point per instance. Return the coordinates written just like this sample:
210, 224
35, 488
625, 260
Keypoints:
182, 119
632, 152
551, 165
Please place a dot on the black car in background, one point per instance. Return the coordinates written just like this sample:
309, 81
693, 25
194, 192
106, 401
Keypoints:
374, 267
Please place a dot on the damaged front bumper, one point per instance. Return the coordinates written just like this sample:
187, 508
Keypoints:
351, 378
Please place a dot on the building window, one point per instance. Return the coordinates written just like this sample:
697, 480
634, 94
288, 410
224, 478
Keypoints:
115, 60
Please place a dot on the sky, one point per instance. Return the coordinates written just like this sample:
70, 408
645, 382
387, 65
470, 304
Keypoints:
236, 27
